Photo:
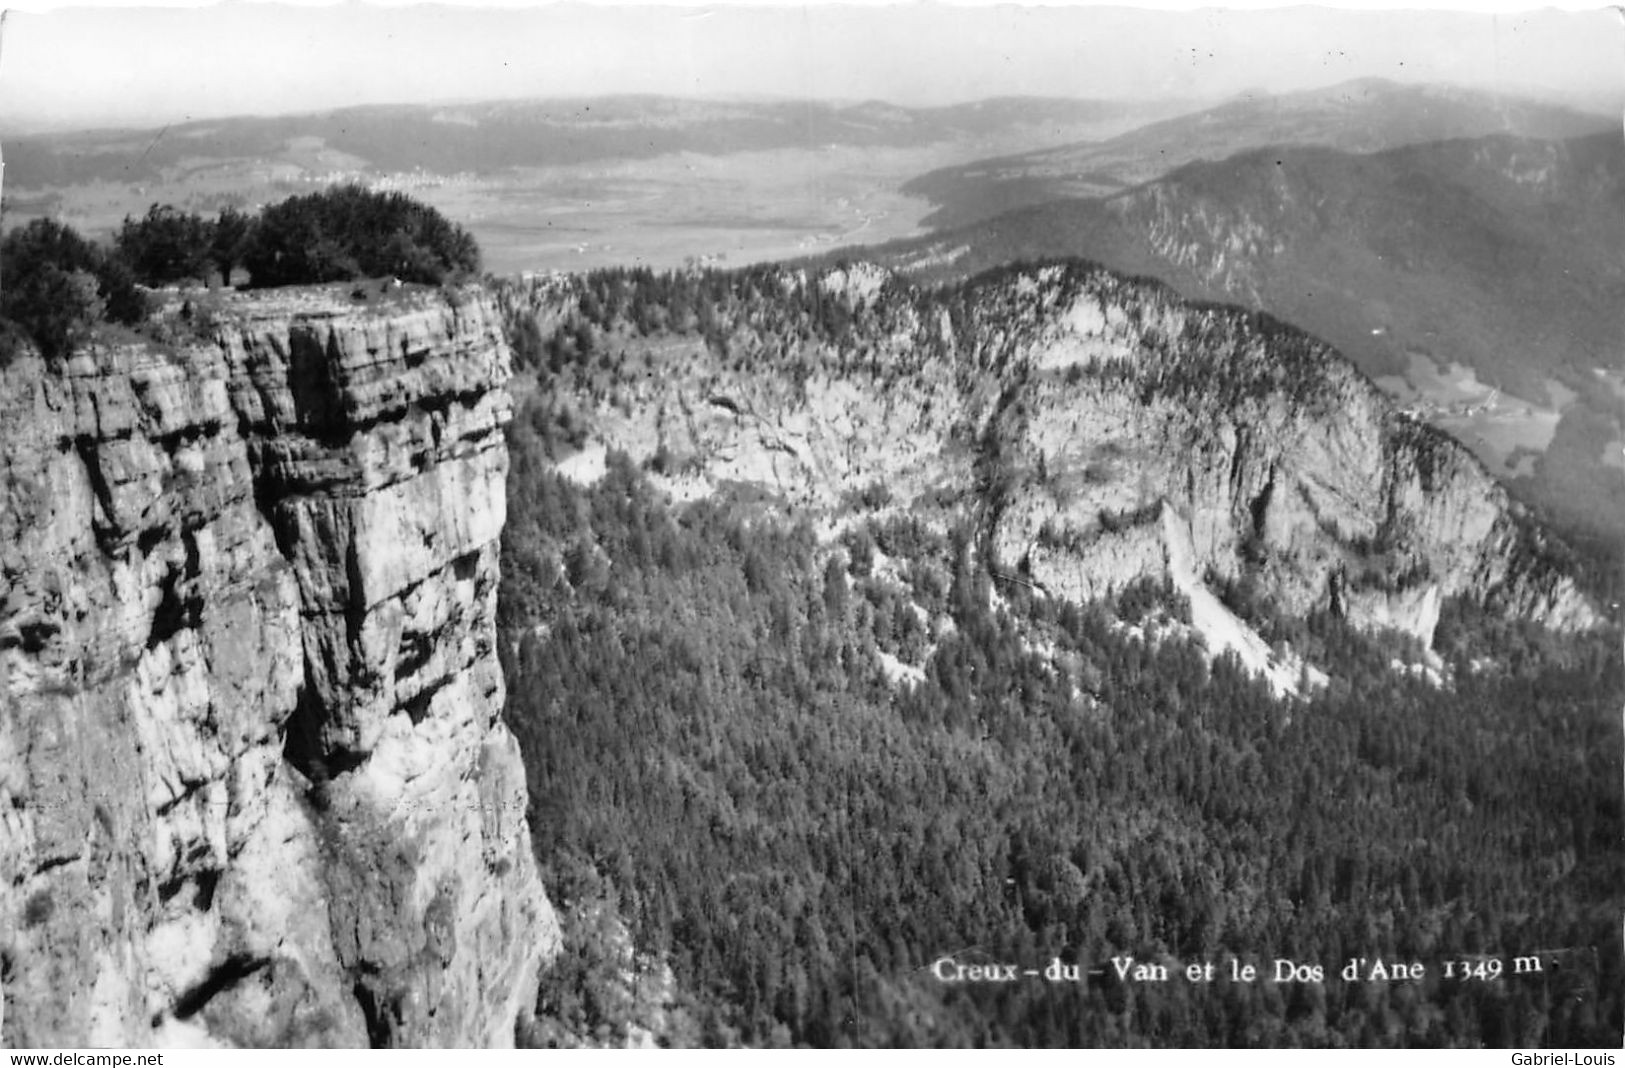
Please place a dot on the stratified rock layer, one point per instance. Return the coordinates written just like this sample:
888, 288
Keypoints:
1099, 430
254, 786
1245, 446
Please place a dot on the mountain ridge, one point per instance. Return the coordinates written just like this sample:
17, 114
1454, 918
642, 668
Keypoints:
485, 136
1363, 116
1077, 413
1449, 270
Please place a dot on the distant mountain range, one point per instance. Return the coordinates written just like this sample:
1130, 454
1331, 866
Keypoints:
1498, 253
1363, 116
489, 137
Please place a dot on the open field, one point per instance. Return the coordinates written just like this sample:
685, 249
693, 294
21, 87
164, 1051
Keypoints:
1506, 432
1564, 456
661, 212
666, 212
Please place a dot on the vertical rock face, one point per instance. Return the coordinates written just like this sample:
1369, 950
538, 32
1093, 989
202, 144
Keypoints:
254, 786
1100, 430
1277, 457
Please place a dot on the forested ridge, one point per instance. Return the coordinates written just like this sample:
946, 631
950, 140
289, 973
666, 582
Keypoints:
719, 762
962, 348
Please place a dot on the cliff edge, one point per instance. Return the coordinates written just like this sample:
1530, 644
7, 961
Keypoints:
254, 784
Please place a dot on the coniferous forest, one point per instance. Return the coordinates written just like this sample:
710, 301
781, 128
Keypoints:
756, 834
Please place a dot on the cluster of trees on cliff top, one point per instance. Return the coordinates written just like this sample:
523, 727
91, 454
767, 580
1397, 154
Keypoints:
55, 285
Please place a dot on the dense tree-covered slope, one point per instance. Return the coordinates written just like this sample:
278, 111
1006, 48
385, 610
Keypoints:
793, 743
716, 755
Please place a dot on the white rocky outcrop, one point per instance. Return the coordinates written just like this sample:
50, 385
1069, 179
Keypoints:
1066, 407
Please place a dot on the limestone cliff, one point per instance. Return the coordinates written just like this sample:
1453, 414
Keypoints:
254, 785
1098, 429
1272, 453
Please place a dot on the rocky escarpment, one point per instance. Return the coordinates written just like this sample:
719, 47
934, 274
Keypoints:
1274, 458
254, 786
1097, 429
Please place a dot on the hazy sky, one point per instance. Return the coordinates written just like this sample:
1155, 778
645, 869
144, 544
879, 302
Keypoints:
79, 67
